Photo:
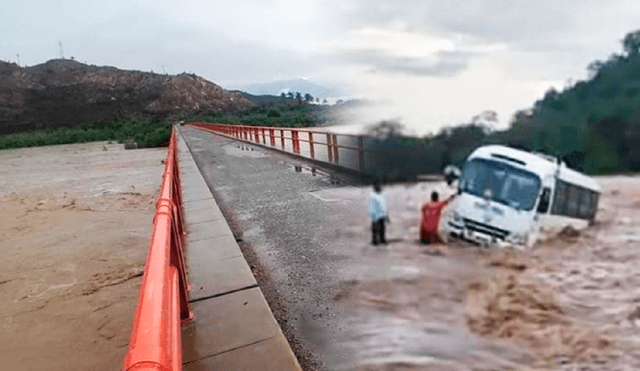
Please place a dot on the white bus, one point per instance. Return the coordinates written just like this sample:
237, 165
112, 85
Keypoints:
510, 196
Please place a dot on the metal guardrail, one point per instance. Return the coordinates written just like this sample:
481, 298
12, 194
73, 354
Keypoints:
392, 158
156, 342
344, 150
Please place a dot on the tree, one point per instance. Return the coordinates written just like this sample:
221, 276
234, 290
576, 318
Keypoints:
385, 129
631, 43
308, 98
487, 120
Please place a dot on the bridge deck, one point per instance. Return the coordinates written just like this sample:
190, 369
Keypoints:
233, 326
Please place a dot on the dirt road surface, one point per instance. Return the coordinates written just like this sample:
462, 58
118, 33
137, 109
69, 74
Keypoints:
76, 223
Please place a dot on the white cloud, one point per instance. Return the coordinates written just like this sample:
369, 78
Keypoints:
398, 43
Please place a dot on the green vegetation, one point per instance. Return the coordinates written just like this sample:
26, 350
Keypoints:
290, 112
144, 133
282, 115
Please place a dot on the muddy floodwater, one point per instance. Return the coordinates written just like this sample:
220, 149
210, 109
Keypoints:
76, 224
570, 302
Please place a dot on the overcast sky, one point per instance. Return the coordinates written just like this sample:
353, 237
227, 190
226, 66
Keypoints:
429, 63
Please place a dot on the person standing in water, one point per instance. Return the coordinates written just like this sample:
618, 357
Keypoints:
430, 218
379, 214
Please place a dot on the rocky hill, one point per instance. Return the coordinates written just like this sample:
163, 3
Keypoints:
62, 93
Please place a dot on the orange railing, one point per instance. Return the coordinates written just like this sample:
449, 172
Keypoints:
344, 150
162, 303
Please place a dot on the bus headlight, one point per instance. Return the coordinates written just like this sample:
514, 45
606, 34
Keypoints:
456, 216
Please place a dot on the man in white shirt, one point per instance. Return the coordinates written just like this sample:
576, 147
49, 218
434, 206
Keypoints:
379, 214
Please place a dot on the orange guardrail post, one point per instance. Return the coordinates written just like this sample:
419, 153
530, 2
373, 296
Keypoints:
176, 323
296, 142
311, 149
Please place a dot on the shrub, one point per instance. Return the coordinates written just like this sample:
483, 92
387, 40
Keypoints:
145, 133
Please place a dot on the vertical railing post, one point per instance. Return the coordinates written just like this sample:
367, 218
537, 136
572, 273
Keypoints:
282, 138
296, 142
256, 133
311, 150
272, 136
336, 155
264, 136
329, 149
361, 153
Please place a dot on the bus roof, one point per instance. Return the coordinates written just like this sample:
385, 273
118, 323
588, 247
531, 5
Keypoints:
539, 163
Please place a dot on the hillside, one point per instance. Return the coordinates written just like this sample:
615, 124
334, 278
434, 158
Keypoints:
63, 93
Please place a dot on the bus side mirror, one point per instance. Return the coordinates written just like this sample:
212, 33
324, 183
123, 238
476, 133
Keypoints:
545, 199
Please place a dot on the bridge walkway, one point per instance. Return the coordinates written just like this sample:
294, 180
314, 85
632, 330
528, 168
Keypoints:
233, 326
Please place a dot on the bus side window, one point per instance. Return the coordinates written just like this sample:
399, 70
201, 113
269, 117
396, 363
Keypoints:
573, 200
584, 209
545, 198
559, 198
594, 205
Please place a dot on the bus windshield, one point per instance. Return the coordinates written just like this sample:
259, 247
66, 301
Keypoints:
500, 182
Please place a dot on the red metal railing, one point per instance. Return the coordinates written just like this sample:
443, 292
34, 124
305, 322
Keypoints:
349, 152
162, 303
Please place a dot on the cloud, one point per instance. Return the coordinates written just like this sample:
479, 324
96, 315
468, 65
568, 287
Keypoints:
503, 20
407, 51
400, 49
439, 64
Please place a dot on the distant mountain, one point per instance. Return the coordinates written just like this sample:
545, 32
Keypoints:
62, 93
299, 85
259, 99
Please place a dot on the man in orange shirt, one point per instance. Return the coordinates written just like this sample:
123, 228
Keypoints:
430, 218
